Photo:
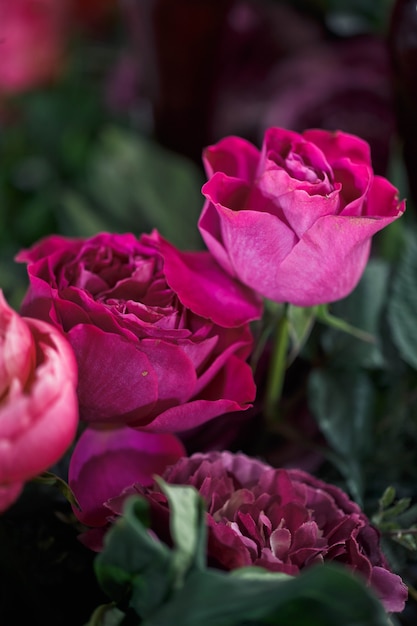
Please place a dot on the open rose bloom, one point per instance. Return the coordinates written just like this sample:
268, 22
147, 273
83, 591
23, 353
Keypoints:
153, 351
282, 520
294, 221
38, 401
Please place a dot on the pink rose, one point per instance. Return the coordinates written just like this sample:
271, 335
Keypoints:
32, 40
282, 520
38, 406
161, 337
294, 221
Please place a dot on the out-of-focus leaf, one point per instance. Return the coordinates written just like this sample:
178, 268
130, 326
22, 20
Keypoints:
188, 527
343, 404
134, 568
301, 321
252, 572
13, 279
322, 596
78, 217
402, 306
134, 185
362, 309
387, 497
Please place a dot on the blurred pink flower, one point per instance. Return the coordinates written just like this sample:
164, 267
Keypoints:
294, 221
343, 85
160, 336
337, 84
282, 520
32, 42
38, 401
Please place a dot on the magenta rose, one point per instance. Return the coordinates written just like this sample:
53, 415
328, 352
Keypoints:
161, 337
282, 520
38, 400
294, 221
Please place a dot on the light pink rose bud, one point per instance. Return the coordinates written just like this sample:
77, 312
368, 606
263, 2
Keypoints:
38, 402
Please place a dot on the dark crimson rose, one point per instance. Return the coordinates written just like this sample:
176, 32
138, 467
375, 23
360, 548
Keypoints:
283, 520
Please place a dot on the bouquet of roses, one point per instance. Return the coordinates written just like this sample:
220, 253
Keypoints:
208, 407
167, 357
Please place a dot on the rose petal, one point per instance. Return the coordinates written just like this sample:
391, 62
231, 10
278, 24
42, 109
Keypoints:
280, 542
390, 589
234, 156
336, 144
36, 427
196, 412
225, 547
174, 372
17, 349
218, 297
102, 381
271, 240
105, 462
325, 282
382, 200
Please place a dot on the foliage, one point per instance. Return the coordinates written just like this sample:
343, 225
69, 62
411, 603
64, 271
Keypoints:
150, 583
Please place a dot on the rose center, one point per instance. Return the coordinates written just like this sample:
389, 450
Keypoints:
302, 171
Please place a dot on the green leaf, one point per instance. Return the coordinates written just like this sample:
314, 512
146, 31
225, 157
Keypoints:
397, 509
362, 310
13, 279
408, 517
322, 596
387, 497
402, 306
301, 321
188, 527
134, 185
78, 217
252, 572
343, 404
134, 569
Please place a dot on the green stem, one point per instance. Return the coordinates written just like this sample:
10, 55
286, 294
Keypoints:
412, 591
50, 479
277, 368
335, 322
